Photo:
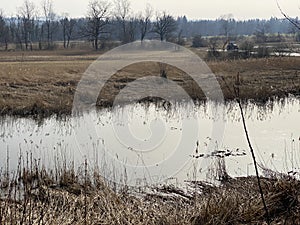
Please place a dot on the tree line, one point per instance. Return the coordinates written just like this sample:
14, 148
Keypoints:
106, 21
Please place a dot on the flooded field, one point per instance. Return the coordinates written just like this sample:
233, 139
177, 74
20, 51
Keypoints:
161, 144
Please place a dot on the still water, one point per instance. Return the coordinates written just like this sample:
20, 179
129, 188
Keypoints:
141, 144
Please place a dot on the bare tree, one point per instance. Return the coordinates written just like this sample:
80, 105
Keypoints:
39, 33
70, 30
145, 21
27, 14
67, 28
48, 11
15, 27
261, 32
131, 29
4, 30
226, 24
97, 20
122, 10
63, 23
165, 26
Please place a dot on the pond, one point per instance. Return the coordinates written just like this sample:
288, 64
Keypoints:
146, 143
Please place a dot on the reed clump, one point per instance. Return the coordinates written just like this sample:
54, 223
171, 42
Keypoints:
36, 195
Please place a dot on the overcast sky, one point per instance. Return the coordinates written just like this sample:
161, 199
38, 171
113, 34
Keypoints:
193, 9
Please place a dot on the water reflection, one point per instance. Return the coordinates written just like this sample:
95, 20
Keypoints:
273, 128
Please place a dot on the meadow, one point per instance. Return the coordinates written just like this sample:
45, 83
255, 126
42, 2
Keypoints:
44, 82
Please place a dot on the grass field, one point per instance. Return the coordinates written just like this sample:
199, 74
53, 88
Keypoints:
44, 82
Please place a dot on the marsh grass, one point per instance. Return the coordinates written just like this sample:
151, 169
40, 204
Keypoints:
35, 195
44, 83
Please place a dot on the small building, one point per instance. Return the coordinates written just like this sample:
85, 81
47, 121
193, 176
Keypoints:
232, 47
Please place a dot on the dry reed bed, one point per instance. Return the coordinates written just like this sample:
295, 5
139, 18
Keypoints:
34, 195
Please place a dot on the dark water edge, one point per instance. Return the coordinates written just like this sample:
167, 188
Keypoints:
40, 114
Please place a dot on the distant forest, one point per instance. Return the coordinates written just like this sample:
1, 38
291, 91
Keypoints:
233, 27
99, 26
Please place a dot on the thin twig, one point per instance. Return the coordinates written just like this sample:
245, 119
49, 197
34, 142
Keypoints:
85, 190
296, 24
236, 94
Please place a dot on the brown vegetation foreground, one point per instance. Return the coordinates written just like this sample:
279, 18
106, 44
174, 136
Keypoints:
44, 83
36, 196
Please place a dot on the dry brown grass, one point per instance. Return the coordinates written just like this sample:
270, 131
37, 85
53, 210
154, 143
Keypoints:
262, 79
238, 202
38, 87
35, 195
44, 83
